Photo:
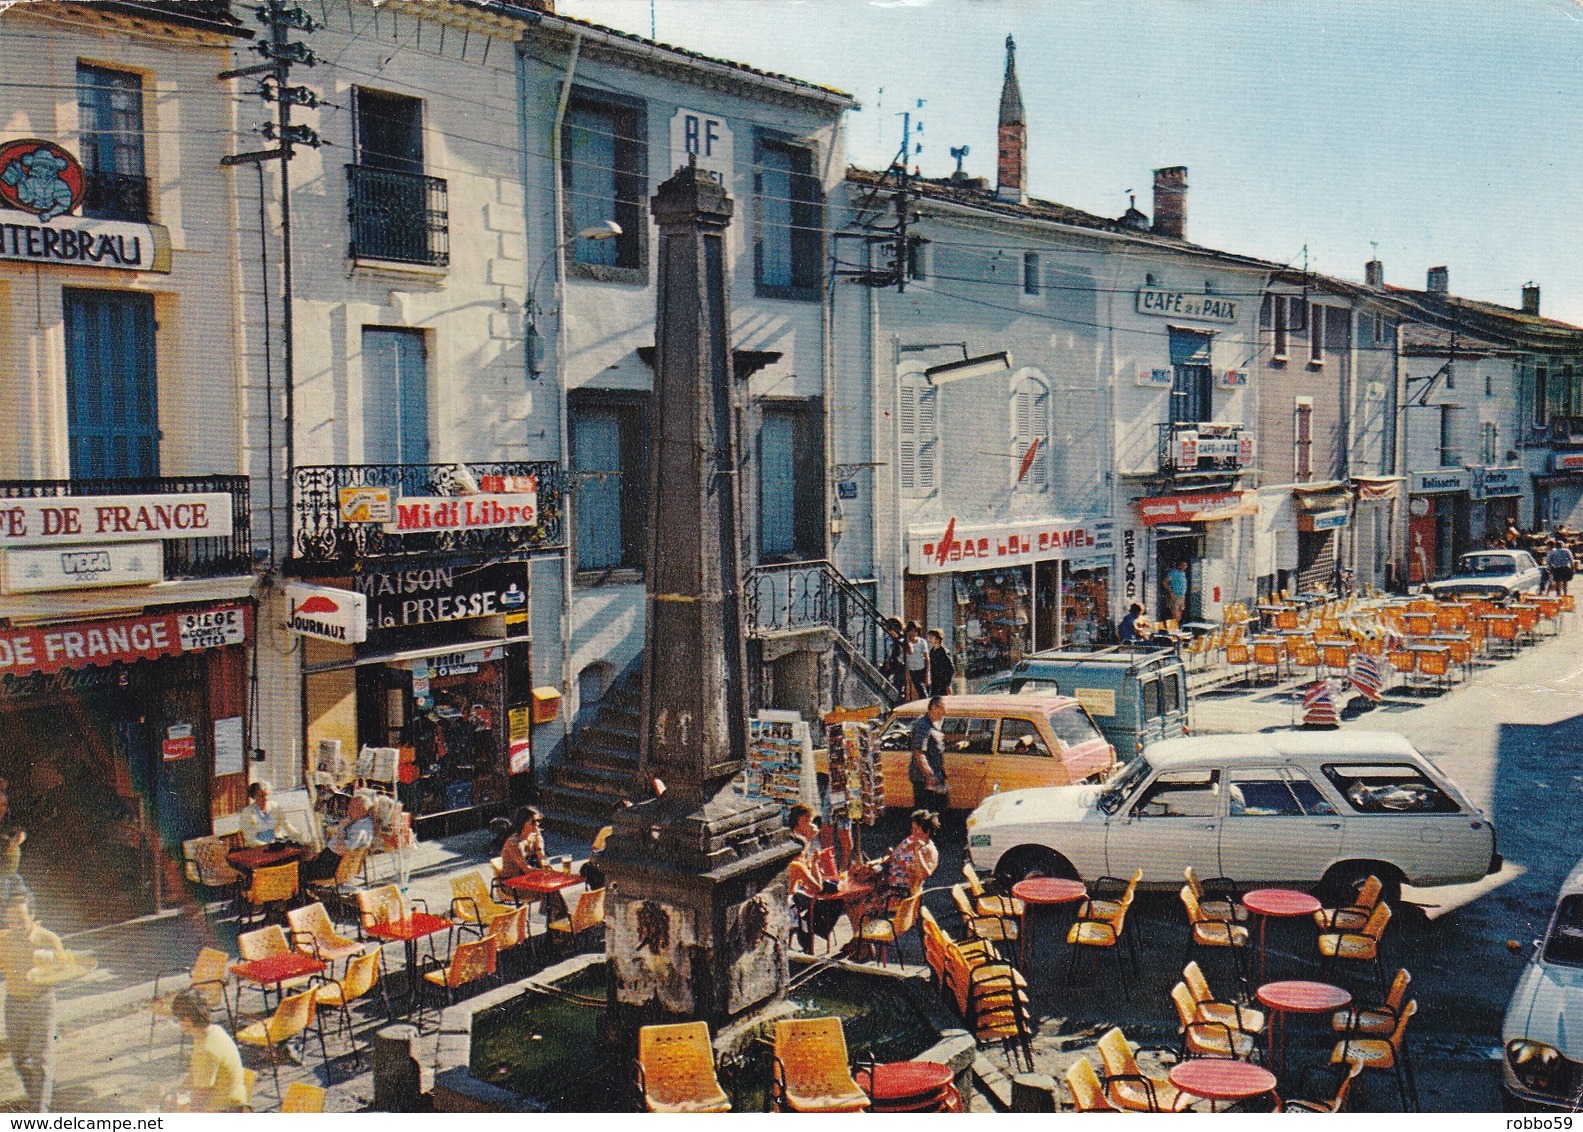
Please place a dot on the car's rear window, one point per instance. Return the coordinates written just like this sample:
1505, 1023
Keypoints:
1565, 945
1389, 789
1072, 726
1028, 685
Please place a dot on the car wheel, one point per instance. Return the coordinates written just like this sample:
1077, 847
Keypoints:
1032, 861
1342, 882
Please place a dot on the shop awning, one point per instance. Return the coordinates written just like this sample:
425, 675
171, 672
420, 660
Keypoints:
1377, 488
1330, 496
475, 645
1202, 507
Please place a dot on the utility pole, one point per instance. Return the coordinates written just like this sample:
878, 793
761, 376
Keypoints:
281, 54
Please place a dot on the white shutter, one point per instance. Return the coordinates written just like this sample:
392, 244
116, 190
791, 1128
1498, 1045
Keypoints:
916, 421
1030, 421
1040, 472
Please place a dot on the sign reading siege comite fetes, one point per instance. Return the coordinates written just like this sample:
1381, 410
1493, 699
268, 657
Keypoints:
980, 548
85, 644
417, 514
114, 518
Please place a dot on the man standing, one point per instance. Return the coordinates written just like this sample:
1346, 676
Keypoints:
942, 669
1176, 591
29, 1005
917, 653
1562, 565
926, 769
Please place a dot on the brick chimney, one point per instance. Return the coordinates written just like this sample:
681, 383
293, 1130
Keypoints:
1011, 160
1170, 202
1439, 280
1531, 298
1374, 275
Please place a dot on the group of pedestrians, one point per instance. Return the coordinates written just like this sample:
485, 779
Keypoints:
919, 664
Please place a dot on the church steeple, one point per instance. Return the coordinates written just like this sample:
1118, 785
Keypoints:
1011, 164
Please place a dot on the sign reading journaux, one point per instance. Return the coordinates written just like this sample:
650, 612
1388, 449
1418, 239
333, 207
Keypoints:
327, 614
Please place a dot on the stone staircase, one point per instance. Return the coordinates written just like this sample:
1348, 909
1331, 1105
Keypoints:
601, 765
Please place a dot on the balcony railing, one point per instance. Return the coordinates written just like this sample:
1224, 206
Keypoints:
329, 532
115, 196
184, 558
402, 217
1209, 447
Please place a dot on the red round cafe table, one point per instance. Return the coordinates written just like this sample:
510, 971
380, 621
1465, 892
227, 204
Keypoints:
910, 1086
1280, 903
1222, 1079
1297, 996
1042, 891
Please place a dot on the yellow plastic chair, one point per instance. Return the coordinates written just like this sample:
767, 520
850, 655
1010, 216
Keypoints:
261, 943
1203, 1038
314, 934
811, 1073
997, 1011
382, 905
204, 864
210, 976
1093, 909
885, 932
1219, 904
1336, 1103
1104, 933
338, 889
249, 1079
1267, 655
1211, 1009
1351, 917
1374, 1021
588, 914
1088, 1093
470, 963
1127, 1086
471, 902
983, 902
275, 884
1384, 1054
995, 929
1221, 934
1361, 946
303, 1097
362, 976
294, 1017
676, 1069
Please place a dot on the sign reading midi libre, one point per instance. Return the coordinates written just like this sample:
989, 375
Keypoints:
418, 513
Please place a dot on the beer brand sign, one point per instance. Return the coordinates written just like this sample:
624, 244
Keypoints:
935, 551
1199, 508
41, 178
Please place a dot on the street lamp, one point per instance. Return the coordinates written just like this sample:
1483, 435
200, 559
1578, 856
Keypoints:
982, 366
604, 230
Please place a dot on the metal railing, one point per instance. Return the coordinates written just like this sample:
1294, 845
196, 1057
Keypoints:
184, 558
403, 217
115, 196
324, 536
790, 596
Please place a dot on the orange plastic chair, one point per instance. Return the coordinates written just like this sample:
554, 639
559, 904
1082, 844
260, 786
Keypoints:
382, 905
470, 963
585, 917
1286, 619
1374, 1021
362, 976
985, 903
314, 934
885, 933
676, 1069
1338, 660
1088, 1094
303, 1097
294, 1017
1238, 656
1219, 905
1351, 917
1266, 654
1127, 1086
811, 1073
1503, 633
1450, 618
1201, 1037
1205, 932
274, 884
1384, 1054
994, 928
1211, 1009
471, 902
1339, 1101
1361, 946
1305, 654
210, 976
1435, 663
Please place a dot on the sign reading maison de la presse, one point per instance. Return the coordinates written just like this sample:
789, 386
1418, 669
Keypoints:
1184, 304
424, 595
40, 178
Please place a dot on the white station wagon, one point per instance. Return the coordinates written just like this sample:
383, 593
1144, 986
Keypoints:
1541, 1039
1297, 808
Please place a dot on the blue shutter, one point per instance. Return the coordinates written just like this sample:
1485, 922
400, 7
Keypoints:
112, 402
592, 156
777, 486
775, 218
596, 445
395, 397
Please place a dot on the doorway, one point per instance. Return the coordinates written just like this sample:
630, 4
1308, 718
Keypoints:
1171, 551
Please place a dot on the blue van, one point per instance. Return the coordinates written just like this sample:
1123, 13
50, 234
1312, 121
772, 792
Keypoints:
1136, 695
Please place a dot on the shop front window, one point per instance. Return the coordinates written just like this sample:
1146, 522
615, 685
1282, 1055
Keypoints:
993, 618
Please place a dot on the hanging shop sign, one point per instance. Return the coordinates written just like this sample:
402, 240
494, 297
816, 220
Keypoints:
1182, 304
933, 550
463, 663
39, 569
427, 594
1567, 462
418, 514
114, 518
83, 644
1189, 446
41, 178
327, 614
1433, 483
1494, 483
1312, 521
1203, 507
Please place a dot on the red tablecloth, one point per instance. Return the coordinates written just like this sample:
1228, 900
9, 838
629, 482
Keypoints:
262, 857
1300, 996
277, 968
1048, 890
541, 882
1280, 902
1222, 1079
415, 926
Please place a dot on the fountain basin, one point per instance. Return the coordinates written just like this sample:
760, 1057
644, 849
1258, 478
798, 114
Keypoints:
538, 1045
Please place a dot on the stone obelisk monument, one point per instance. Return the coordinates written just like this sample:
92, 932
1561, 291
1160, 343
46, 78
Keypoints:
696, 897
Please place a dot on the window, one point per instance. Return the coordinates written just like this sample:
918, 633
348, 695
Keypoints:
396, 212
1030, 429
112, 405
1384, 331
395, 397
388, 131
788, 253
110, 133
1021, 737
1282, 315
1149, 698
1192, 388
917, 258
916, 419
604, 146
1492, 442
1030, 273
1564, 944
1389, 790
610, 458
1316, 337
1262, 794
1170, 693
968, 736
1303, 440
1072, 727
1450, 450
1181, 794
791, 481
1541, 397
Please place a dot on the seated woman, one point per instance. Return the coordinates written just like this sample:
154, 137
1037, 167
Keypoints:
806, 879
903, 871
524, 850
214, 1078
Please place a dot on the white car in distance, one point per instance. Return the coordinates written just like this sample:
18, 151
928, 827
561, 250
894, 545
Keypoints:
1303, 809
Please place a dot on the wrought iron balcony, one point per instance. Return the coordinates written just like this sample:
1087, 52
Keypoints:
184, 558
402, 217
115, 196
1215, 448
331, 533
